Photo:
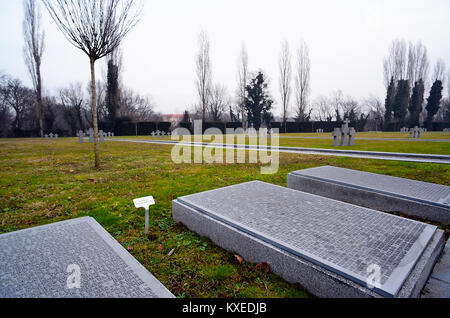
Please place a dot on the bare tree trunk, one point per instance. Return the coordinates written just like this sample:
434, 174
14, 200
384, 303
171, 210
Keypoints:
242, 82
94, 114
285, 79
203, 69
39, 101
33, 51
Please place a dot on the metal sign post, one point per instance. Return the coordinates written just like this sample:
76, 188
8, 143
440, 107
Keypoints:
145, 203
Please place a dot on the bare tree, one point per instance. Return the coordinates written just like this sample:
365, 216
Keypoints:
302, 80
375, 109
137, 107
20, 99
395, 63
448, 84
418, 63
439, 70
284, 65
337, 102
323, 110
243, 75
5, 113
219, 102
72, 99
204, 73
351, 108
33, 51
97, 28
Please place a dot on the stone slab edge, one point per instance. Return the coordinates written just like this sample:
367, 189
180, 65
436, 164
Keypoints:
316, 279
366, 198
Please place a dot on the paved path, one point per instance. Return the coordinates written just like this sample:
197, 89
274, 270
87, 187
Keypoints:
438, 285
367, 138
411, 157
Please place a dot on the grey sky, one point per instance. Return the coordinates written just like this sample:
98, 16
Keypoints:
347, 41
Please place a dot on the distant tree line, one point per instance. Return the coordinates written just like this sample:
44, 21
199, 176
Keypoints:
69, 110
410, 99
406, 71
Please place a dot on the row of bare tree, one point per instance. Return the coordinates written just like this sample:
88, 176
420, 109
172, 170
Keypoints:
407, 77
402, 62
66, 112
216, 104
411, 62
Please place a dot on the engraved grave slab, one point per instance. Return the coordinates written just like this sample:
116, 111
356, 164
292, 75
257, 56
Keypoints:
338, 237
34, 263
376, 191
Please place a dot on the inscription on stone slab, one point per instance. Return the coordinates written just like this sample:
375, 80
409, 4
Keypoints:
344, 238
430, 193
37, 263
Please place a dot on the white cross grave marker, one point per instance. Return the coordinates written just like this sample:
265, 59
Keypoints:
80, 135
101, 134
145, 203
336, 134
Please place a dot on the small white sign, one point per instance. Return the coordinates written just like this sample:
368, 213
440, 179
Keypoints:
144, 202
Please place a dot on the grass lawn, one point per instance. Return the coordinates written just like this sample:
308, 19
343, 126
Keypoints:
48, 181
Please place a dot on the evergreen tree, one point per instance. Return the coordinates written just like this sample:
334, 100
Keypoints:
401, 101
112, 90
415, 105
434, 101
186, 117
257, 100
267, 118
389, 103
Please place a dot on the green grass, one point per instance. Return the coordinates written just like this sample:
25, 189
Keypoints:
434, 147
48, 181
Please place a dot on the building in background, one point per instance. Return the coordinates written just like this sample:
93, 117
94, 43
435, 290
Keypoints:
175, 119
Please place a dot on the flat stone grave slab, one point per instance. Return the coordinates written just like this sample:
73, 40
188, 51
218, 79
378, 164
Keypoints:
386, 193
314, 240
37, 263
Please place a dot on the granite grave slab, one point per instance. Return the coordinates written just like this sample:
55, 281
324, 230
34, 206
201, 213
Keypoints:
381, 192
328, 246
38, 263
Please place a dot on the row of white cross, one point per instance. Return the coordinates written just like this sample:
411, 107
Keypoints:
51, 136
416, 132
90, 133
251, 131
159, 134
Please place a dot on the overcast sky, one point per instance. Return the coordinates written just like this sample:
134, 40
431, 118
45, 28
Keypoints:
347, 41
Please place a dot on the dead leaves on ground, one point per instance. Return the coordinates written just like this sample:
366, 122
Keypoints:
264, 266
171, 252
240, 259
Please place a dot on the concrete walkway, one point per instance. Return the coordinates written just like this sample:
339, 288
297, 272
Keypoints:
367, 138
438, 285
396, 156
